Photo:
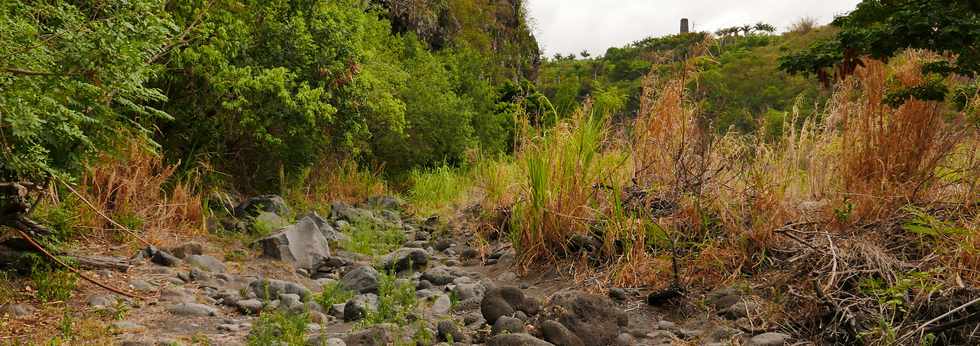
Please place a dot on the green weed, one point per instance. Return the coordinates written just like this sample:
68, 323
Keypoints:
844, 211
929, 226
433, 190
423, 335
372, 239
8, 289
279, 328
561, 169
262, 227
333, 293
52, 284
396, 300
236, 255
453, 300
62, 218
65, 325
895, 296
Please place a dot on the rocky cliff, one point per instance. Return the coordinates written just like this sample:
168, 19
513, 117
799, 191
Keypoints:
499, 28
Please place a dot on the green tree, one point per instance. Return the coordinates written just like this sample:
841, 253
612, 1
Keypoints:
880, 29
72, 77
282, 83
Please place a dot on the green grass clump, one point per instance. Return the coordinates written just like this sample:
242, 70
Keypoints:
333, 293
372, 238
61, 218
433, 190
396, 300
279, 328
561, 167
52, 284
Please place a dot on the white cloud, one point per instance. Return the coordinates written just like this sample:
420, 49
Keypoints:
570, 26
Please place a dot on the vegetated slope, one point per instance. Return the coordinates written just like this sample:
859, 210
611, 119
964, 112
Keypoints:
739, 84
857, 223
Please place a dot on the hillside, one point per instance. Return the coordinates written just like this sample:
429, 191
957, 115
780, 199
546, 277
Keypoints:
738, 85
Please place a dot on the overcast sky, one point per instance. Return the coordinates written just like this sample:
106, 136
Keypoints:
570, 26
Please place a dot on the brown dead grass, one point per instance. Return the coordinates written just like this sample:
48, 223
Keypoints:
336, 180
890, 155
136, 187
726, 201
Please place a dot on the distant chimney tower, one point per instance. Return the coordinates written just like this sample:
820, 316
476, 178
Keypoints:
684, 26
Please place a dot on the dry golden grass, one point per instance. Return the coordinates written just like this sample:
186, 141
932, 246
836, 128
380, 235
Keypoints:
724, 197
890, 155
336, 180
137, 189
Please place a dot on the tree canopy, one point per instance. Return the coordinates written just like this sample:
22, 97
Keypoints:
882, 28
73, 76
260, 90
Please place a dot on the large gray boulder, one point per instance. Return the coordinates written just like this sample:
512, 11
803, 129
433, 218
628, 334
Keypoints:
379, 334
439, 276
329, 232
769, 339
192, 309
405, 259
206, 262
506, 301
301, 244
188, 249
383, 203
16, 310
269, 289
265, 203
595, 319
358, 307
363, 279
558, 334
343, 211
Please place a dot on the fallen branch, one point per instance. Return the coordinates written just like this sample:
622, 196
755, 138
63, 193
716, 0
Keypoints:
975, 317
850, 322
946, 326
100, 262
70, 268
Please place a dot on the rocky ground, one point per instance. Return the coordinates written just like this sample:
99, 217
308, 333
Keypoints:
462, 295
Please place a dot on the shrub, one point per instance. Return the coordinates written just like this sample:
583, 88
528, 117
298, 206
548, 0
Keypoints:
73, 77
135, 188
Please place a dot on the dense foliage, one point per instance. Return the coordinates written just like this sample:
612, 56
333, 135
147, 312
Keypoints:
260, 90
74, 76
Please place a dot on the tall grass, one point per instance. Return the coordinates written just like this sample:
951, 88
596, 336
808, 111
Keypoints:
135, 188
720, 199
334, 180
561, 168
890, 153
436, 190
